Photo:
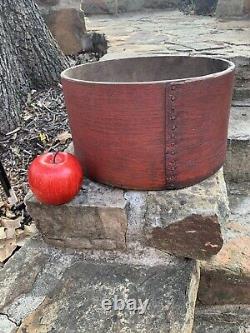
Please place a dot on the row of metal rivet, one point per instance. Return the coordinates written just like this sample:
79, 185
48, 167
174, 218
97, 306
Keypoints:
171, 140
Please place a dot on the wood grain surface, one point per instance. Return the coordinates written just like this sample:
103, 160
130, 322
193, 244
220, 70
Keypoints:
150, 136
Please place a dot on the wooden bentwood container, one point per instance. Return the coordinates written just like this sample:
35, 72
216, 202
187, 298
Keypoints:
150, 123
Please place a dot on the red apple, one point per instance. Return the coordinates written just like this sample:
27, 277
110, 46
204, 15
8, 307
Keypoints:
55, 178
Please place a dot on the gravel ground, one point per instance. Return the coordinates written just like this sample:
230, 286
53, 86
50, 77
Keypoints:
43, 127
42, 120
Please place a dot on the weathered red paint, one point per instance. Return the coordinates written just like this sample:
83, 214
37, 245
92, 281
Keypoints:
142, 123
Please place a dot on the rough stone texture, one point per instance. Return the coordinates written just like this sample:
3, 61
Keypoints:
228, 8
59, 4
184, 222
161, 4
91, 7
47, 2
64, 292
172, 32
225, 279
222, 319
7, 326
237, 167
247, 6
242, 69
205, 7
119, 6
96, 218
242, 93
178, 238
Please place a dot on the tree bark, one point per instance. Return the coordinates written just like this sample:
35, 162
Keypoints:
29, 58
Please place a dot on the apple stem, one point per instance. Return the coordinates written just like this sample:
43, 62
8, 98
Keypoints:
54, 159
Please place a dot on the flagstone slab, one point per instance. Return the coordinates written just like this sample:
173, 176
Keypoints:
225, 278
47, 290
222, 319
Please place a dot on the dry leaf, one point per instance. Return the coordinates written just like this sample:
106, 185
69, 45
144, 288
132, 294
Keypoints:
7, 250
27, 117
10, 214
20, 233
10, 233
20, 237
21, 242
39, 104
29, 98
16, 151
14, 131
43, 137
2, 243
13, 224
46, 104
2, 233
30, 229
63, 137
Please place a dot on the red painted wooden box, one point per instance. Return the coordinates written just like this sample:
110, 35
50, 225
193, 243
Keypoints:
150, 122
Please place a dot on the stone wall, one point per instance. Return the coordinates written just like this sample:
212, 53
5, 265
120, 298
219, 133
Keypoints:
225, 8
60, 3
231, 8
115, 6
247, 6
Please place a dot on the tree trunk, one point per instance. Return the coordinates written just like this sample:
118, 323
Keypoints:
29, 58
